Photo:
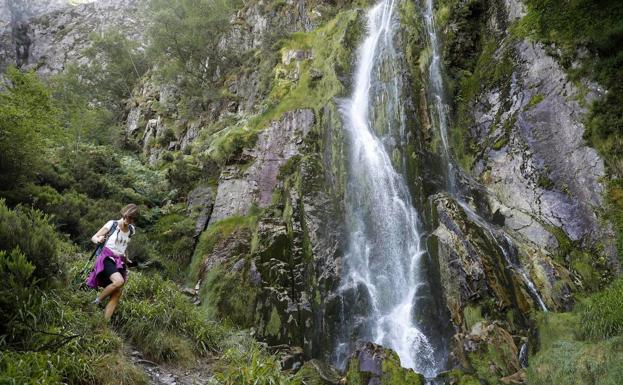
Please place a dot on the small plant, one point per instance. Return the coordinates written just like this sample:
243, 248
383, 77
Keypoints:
246, 362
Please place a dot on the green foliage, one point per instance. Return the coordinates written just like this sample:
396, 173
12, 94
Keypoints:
185, 36
578, 363
534, 100
601, 314
162, 323
174, 237
30, 232
51, 336
27, 119
246, 362
116, 66
183, 173
583, 346
84, 120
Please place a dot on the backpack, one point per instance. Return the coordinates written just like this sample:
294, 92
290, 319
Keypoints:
100, 246
86, 270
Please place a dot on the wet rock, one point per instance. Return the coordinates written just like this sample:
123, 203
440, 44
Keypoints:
372, 364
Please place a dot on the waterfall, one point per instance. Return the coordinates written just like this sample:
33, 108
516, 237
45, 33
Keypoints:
436, 93
385, 266
440, 120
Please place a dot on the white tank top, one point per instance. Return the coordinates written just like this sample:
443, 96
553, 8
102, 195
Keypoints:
118, 240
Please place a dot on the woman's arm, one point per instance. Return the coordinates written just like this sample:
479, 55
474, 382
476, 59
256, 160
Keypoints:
100, 236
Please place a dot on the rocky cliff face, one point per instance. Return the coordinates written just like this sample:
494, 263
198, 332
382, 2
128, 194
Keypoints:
46, 36
268, 171
528, 214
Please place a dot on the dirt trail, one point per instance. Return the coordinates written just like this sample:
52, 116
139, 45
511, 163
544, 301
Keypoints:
165, 374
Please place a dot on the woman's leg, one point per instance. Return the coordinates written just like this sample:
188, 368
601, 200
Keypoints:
112, 303
117, 282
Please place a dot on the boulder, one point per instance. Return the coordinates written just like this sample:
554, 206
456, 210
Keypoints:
373, 364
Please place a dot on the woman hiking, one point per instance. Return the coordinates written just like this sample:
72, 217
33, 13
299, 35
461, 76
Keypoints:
110, 265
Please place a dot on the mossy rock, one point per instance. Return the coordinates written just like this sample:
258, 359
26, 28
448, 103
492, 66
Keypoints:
494, 354
458, 377
374, 364
315, 372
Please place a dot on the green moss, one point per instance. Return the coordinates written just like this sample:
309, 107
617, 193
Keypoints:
215, 233
394, 374
472, 315
496, 358
544, 182
500, 143
315, 372
229, 296
458, 377
274, 324
332, 46
475, 61
565, 244
587, 268
534, 100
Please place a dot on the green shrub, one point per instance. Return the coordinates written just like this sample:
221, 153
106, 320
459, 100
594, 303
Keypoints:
28, 120
602, 313
184, 42
28, 369
173, 235
117, 64
30, 231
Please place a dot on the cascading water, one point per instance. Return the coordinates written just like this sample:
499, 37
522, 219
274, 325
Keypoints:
436, 92
385, 268
440, 119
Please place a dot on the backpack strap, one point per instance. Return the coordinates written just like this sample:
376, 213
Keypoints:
132, 231
100, 247
111, 231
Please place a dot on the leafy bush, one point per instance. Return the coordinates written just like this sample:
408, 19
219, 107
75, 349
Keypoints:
185, 36
30, 232
117, 64
27, 119
602, 313
174, 237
